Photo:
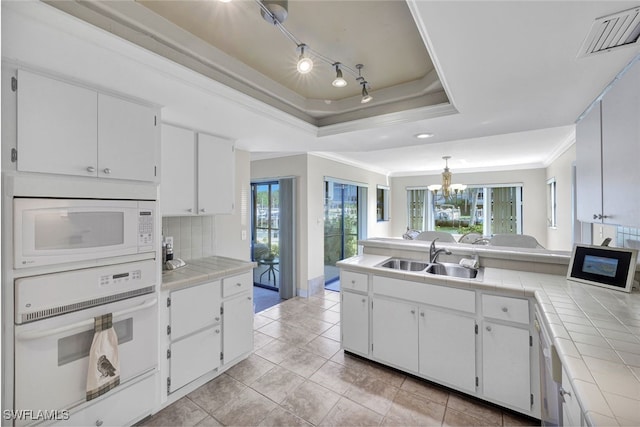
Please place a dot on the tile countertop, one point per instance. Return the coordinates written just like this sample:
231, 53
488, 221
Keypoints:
596, 332
202, 270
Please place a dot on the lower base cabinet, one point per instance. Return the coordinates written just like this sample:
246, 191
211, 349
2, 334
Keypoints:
237, 326
395, 331
448, 348
506, 365
355, 322
194, 356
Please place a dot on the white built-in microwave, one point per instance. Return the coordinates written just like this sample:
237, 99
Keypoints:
58, 231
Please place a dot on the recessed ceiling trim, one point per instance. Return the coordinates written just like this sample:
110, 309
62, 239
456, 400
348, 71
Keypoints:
612, 31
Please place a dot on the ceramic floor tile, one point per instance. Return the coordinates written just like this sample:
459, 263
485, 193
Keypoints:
209, 422
277, 384
509, 419
426, 390
372, 393
260, 320
350, 361
278, 417
335, 377
333, 333
349, 413
217, 392
323, 346
182, 413
260, 340
250, 369
249, 408
311, 402
303, 362
453, 418
410, 409
488, 414
383, 373
276, 351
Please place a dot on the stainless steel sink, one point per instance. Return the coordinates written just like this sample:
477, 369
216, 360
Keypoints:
404, 264
440, 268
450, 269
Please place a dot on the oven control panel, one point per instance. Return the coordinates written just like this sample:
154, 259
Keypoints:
120, 278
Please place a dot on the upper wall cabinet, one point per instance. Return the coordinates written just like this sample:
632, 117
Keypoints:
198, 173
608, 149
72, 130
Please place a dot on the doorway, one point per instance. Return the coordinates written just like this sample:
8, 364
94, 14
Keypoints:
343, 219
266, 234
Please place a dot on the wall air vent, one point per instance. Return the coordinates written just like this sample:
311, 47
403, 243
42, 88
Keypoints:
612, 31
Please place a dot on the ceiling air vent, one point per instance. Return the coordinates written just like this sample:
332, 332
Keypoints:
612, 31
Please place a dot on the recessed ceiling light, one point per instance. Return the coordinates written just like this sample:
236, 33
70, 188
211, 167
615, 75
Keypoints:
424, 135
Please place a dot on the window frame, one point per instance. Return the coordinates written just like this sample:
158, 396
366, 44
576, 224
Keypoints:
382, 203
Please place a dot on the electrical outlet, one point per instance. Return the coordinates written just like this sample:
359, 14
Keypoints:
244, 234
169, 240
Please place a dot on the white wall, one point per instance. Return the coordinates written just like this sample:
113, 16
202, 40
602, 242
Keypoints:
560, 238
533, 182
311, 171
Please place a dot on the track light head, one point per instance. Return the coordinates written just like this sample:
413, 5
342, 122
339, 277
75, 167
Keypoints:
339, 80
305, 64
365, 93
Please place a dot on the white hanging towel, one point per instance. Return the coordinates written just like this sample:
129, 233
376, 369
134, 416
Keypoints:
104, 363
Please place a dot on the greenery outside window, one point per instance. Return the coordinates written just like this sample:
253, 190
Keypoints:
552, 199
382, 203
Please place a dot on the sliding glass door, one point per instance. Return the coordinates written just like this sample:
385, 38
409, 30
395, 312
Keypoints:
340, 226
266, 233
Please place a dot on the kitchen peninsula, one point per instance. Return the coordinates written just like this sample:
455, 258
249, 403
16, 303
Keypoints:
484, 328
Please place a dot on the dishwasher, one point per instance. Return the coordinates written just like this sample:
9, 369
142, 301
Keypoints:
550, 376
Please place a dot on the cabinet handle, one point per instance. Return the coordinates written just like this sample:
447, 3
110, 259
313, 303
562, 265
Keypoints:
422, 314
413, 312
249, 298
605, 216
563, 393
217, 319
599, 216
107, 171
364, 300
505, 309
489, 328
238, 284
91, 169
353, 282
217, 331
189, 210
99, 422
203, 210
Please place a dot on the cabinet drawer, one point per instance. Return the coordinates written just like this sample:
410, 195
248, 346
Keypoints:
505, 308
194, 308
122, 406
194, 356
354, 281
235, 284
441, 296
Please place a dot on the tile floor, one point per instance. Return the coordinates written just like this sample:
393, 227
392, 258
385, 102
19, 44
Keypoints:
298, 376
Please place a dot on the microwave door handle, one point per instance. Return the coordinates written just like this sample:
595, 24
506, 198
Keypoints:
32, 335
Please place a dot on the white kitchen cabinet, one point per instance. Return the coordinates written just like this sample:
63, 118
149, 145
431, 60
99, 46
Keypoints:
571, 411
193, 356
127, 139
447, 348
506, 365
177, 191
194, 332
394, 327
198, 173
354, 322
237, 327
72, 130
608, 146
216, 175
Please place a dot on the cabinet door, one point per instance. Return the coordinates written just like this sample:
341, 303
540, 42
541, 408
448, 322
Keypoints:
506, 366
194, 308
448, 348
589, 167
194, 356
216, 175
177, 186
237, 323
395, 333
56, 127
127, 139
621, 150
355, 322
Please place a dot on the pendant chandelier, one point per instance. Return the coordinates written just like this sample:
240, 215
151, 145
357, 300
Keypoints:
446, 185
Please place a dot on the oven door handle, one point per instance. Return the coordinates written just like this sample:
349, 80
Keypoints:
32, 335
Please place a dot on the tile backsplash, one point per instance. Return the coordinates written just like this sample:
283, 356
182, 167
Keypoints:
628, 237
193, 236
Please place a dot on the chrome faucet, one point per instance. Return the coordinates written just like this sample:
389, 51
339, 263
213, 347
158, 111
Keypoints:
433, 252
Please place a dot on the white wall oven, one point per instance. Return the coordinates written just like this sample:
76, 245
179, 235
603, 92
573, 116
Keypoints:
54, 317
59, 231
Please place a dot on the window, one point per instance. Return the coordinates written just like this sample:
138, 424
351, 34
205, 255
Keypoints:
552, 203
382, 207
480, 209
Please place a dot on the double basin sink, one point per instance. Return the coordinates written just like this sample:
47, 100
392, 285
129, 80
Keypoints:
438, 268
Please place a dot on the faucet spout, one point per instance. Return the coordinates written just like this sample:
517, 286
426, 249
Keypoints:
434, 253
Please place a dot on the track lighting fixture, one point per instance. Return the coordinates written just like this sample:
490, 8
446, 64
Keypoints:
339, 81
305, 64
275, 12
